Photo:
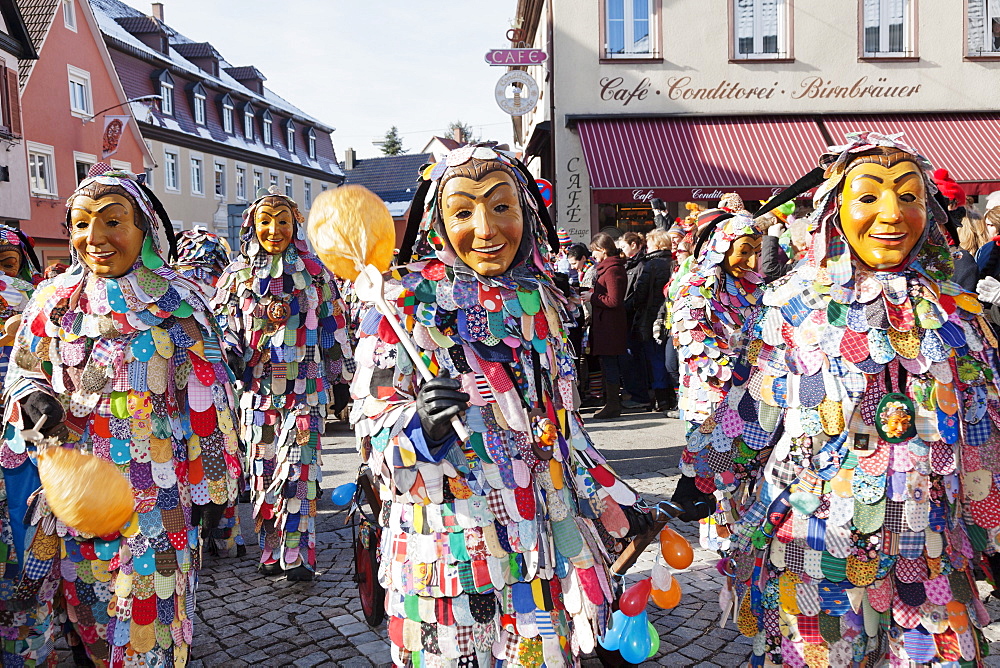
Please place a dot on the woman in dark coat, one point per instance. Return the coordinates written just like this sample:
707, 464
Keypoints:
609, 329
644, 302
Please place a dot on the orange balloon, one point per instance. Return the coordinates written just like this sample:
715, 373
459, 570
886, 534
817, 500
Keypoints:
675, 549
87, 493
670, 598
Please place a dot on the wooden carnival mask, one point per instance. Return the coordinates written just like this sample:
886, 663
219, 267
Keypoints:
483, 220
883, 212
105, 234
10, 261
742, 257
274, 224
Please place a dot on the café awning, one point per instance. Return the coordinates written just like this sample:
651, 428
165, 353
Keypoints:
967, 145
688, 158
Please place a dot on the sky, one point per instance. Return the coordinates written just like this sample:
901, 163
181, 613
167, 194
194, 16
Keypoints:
362, 66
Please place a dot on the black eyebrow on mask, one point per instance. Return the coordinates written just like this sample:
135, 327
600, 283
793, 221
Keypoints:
900, 178
486, 194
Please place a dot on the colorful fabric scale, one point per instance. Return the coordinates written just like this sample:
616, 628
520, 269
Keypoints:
857, 464
202, 257
138, 363
283, 315
494, 550
708, 311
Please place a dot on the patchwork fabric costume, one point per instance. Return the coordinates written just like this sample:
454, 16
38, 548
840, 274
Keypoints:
856, 465
138, 365
284, 318
202, 257
709, 309
494, 551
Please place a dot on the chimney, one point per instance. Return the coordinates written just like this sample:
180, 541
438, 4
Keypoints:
457, 135
158, 11
350, 159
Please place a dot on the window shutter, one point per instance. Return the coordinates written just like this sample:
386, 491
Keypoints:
14, 101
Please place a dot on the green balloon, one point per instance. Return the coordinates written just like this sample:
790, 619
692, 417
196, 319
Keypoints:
654, 641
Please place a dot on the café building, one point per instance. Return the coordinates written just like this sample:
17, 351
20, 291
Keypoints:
688, 99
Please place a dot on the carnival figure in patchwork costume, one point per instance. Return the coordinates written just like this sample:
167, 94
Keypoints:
286, 325
710, 305
122, 358
202, 257
495, 550
856, 465
21, 273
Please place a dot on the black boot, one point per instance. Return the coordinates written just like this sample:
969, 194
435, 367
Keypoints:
662, 400
300, 573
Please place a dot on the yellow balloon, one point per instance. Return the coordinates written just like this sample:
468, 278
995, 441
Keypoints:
85, 492
350, 227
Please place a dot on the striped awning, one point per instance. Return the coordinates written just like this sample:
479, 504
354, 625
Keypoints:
683, 158
967, 145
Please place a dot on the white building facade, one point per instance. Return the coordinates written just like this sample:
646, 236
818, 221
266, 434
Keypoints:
685, 99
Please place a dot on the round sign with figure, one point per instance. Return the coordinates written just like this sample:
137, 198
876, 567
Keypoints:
516, 93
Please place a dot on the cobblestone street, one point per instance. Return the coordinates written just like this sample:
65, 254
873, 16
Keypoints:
247, 619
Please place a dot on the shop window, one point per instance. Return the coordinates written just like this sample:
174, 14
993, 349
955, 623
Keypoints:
886, 28
983, 28
761, 29
631, 29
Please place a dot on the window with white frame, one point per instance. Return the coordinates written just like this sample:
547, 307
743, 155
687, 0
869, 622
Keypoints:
983, 30
241, 184
80, 101
307, 193
266, 127
167, 98
289, 188
227, 116
197, 176
290, 137
886, 29
248, 122
220, 179
83, 162
149, 176
628, 29
121, 165
258, 182
199, 108
41, 169
274, 179
760, 29
311, 137
171, 173
69, 14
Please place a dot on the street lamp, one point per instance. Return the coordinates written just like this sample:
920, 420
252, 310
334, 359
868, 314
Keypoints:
142, 98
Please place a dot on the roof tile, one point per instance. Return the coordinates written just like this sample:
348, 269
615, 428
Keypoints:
391, 177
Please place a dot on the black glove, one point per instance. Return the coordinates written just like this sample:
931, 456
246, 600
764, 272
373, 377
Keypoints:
236, 363
697, 505
37, 404
439, 400
638, 521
